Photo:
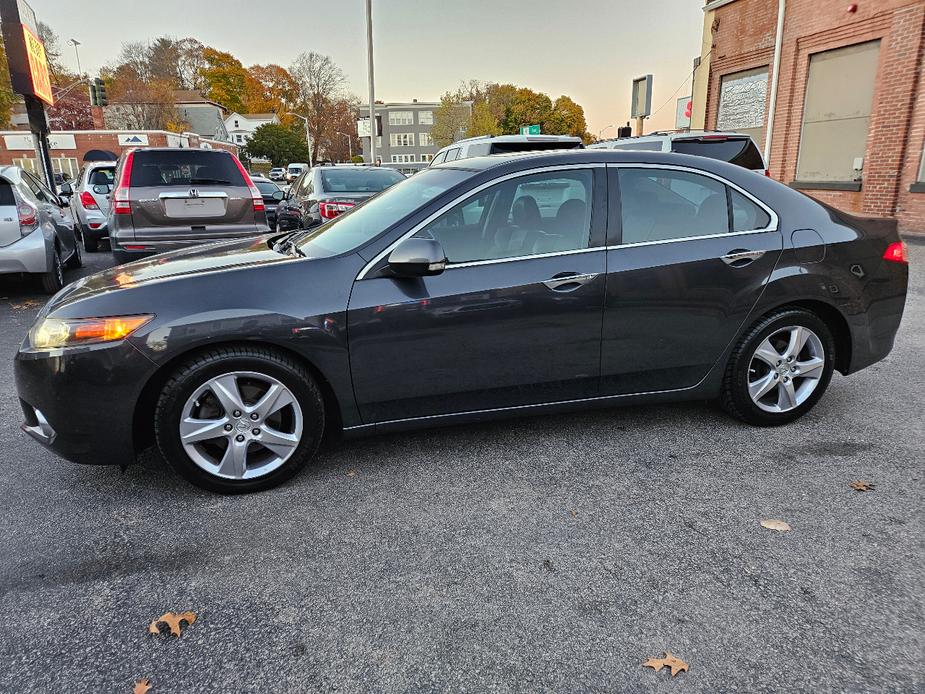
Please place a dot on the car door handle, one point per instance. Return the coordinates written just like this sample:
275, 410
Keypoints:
739, 258
564, 280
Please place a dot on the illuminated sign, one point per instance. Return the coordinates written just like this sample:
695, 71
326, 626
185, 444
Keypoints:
38, 66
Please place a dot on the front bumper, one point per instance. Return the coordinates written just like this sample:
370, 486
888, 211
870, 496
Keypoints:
28, 254
80, 402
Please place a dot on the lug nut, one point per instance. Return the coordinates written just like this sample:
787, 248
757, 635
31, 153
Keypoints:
228, 427
236, 413
786, 379
255, 432
776, 376
239, 438
255, 416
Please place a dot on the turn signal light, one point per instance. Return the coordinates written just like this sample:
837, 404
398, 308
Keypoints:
897, 252
53, 333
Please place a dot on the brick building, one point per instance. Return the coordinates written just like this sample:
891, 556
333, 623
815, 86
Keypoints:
68, 147
848, 124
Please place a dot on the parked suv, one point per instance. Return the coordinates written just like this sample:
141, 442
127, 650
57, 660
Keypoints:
324, 192
736, 148
37, 231
486, 144
277, 173
90, 201
167, 198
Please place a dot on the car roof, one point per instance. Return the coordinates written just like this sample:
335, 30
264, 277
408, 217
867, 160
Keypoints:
673, 135
515, 138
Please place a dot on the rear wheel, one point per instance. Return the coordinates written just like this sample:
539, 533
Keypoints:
239, 420
779, 369
91, 245
75, 261
53, 280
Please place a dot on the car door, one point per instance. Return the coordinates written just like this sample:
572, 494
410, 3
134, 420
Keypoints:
53, 213
514, 319
689, 256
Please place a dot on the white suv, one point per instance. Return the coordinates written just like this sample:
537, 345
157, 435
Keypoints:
486, 144
736, 148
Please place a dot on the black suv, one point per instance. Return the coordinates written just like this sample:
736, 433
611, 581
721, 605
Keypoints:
323, 192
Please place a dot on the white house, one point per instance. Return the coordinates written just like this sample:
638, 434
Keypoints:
241, 126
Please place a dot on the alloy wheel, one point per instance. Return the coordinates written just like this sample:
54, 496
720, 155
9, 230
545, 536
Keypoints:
785, 369
241, 425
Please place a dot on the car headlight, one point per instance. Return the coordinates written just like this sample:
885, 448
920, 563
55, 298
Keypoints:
52, 333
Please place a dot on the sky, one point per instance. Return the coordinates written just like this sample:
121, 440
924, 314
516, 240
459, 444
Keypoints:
589, 50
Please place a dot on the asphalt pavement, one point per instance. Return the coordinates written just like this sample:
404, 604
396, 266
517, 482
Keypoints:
550, 554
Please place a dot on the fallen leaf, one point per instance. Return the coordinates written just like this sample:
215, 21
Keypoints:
28, 303
862, 486
351, 473
173, 621
142, 686
676, 664
775, 525
574, 514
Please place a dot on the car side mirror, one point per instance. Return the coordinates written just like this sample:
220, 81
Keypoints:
279, 195
418, 258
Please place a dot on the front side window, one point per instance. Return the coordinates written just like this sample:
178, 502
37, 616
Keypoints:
401, 118
528, 215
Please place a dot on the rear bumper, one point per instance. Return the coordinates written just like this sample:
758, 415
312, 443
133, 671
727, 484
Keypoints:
80, 403
874, 330
28, 254
126, 250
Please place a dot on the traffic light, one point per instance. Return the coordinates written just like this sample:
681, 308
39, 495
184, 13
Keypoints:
98, 93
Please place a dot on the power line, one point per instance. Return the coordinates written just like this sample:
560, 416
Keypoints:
681, 86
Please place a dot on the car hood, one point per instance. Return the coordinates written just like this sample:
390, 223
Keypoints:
196, 260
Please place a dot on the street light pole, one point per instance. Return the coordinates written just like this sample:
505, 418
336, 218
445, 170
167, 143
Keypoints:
308, 135
75, 43
372, 89
603, 130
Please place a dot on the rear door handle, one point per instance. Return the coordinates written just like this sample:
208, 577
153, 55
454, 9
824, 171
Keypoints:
739, 258
564, 279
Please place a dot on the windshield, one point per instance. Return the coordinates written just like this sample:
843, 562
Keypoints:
366, 221
266, 188
358, 180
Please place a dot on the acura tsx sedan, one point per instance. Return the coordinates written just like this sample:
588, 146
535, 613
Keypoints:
492, 286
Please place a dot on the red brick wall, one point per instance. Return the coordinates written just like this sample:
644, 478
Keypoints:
744, 37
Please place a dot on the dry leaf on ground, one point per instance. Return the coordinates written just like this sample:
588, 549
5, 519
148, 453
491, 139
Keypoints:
173, 621
351, 473
142, 686
28, 303
862, 486
775, 525
676, 664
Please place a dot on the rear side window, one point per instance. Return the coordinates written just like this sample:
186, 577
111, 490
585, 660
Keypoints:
640, 146
184, 167
736, 150
439, 159
6, 194
102, 177
453, 154
747, 215
358, 180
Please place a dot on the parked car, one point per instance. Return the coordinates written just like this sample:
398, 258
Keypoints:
324, 192
503, 144
494, 287
272, 194
293, 171
37, 231
277, 173
90, 201
736, 148
168, 198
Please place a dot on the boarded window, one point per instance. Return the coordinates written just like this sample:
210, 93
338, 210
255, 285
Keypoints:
743, 101
836, 112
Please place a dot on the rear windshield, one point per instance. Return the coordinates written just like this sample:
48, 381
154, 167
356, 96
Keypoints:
266, 188
6, 194
184, 167
735, 150
358, 180
102, 177
295, 169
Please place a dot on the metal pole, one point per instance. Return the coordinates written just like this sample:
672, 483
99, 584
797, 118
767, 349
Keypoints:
372, 89
75, 43
639, 120
772, 107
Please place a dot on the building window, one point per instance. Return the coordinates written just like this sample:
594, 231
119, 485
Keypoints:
427, 157
401, 117
401, 139
426, 117
743, 100
238, 138
836, 113
402, 158
425, 140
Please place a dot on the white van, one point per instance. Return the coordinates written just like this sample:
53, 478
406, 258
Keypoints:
293, 171
736, 148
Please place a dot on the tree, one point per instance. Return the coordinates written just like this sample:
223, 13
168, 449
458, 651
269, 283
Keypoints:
527, 108
278, 143
226, 79
6, 90
190, 64
566, 118
451, 121
163, 61
483, 121
71, 111
270, 89
321, 84
52, 53
136, 104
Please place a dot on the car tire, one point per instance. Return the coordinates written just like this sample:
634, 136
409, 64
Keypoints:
197, 385
91, 245
764, 393
76, 260
53, 280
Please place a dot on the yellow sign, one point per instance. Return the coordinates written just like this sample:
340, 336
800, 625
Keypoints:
38, 66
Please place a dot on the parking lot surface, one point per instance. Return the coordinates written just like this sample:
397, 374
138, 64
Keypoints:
552, 554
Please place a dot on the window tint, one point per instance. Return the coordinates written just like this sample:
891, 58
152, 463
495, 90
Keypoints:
542, 213
266, 188
358, 180
6, 194
38, 190
102, 177
738, 150
453, 154
184, 167
439, 158
640, 146
661, 204
747, 215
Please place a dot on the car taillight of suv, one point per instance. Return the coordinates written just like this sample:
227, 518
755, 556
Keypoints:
121, 198
256, 196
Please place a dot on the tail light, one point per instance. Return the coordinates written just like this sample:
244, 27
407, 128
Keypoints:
897, 252
121, 202
256, 196
329, 210
767, 172
88, 202
28, 218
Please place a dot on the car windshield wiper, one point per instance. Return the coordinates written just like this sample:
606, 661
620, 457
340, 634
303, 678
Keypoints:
210, 181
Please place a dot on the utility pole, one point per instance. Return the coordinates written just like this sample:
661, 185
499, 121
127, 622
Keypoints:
308, 135
372, 89
75, 43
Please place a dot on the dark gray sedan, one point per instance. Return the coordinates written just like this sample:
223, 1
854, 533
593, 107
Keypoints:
489, 287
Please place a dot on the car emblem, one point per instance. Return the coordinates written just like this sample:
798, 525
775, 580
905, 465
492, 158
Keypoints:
193, 193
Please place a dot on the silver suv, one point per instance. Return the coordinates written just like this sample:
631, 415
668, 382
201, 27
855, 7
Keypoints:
503, 144
169, 198
37, 231
90, 201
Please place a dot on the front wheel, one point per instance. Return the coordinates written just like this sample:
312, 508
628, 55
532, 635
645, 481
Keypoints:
237, 420
779, 369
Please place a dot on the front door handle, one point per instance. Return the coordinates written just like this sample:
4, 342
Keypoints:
738, 258
569, 281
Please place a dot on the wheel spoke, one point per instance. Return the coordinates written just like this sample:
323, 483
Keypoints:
226, 390
193, 430
276, 398
758, 389
768, 354
234, 462
798, 337
786, 396
811, 368
278, 442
